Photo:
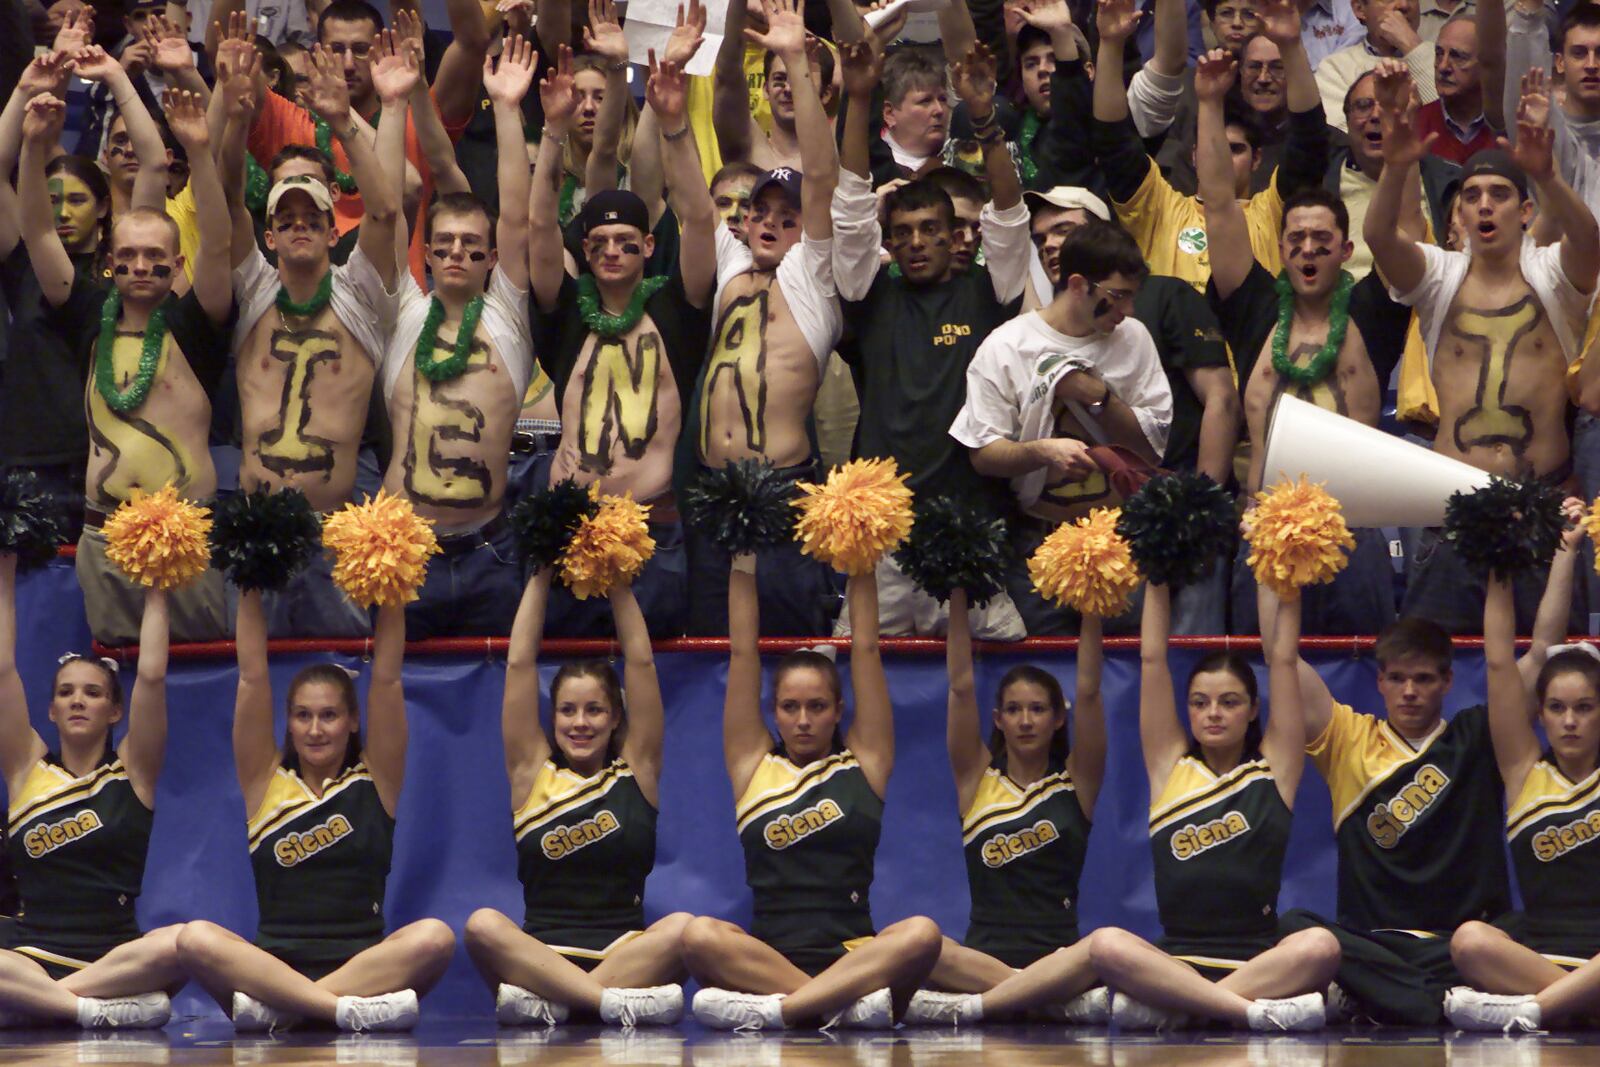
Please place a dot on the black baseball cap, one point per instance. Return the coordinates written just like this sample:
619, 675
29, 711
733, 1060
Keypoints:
1498, 162
614, 207
785, 178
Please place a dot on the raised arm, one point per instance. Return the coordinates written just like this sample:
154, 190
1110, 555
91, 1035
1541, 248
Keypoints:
1534, 152
173, 57
857, 233
377, 172
745, 740
1516, 746
871, 735
1161, 736
1088, 758
667, 95
41, 132
1284, 741
603, 36
975, 83
1393, 250
46, 74
559, 100
437, 149
150, 186
1305, 157
213, 283
1227, 232
526, 745
385, 738
862, 64
1555, 606
819, 155
233, 108
963, 736
646, 716
20, 745
956, 31
1116, 20
255, 746
730, 94
455, 83
145, 744
507, 83
553, 26
1491, 21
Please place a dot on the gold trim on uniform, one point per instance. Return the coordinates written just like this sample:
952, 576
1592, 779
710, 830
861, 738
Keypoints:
288, 797
48, 787
1198, 787
591, 954
50, 957
1546, 791
1370, 751
999, 798
546, 802
778, 781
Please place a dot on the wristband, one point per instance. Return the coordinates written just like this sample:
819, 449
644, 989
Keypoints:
618, 67
678, 136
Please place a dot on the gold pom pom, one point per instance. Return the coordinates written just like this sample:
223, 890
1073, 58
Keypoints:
1086, 565
380, 549
1591, 526
862, 511
1297, 537
608, 549
159, 540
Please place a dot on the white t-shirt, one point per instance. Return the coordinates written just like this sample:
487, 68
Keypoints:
1010, 386
360, 302
1567, 307
504, 322
805, 275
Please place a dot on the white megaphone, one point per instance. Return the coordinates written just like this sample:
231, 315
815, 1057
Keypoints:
1378, 479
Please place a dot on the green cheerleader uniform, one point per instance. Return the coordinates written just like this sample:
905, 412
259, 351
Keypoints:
320, 865
1219, 843
1024, 849
78, 847
1550, 827
810, 835
584, 849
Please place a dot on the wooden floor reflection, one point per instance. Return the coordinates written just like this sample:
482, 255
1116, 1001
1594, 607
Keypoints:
449, 1044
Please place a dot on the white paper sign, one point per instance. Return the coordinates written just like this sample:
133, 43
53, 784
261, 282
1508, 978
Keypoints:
650, 22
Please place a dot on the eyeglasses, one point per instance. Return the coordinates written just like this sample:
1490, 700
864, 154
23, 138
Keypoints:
1116, 296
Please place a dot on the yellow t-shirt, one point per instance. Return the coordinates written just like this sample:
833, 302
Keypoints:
701, 89
181, 210
1171, 228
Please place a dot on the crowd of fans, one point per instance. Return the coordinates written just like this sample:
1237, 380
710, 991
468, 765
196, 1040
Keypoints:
1018, 247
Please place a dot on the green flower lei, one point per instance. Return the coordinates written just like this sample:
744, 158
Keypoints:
318, 301
155, 335
325, 143
1338, 320
256, 184
443, 370
569, 192
1025, 138
614, 325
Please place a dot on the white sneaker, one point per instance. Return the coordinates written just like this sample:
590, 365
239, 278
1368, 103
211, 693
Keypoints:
1340, 1006
1130, 1014
723, 1009
388, 1011
514, 1006
250, 1015
1305, 1012
660, 1005
147, 1011
875, 1011
928, 1008
1471, 1010
1090, 1008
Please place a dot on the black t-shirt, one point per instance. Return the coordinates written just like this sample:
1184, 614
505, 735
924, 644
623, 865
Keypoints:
41, 388
908, 347
1188, 337
559, 335
476, 151
1250, 314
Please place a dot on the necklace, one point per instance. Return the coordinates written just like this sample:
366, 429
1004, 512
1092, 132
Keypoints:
1025, 139
443, 370
155, 335
1338, 319
614, 325
325, 144
318, 301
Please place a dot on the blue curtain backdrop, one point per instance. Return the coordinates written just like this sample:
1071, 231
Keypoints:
454, 850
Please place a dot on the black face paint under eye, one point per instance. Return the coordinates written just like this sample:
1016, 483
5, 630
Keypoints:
1101, 307
631, 249
160, 270
120, 269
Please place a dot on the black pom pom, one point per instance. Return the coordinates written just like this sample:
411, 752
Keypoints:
1177, 525
544, 522
743, 506
954, 545
33, 523
261, 540
1507, 528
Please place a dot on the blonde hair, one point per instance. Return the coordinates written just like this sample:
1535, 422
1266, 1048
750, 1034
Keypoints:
630, 120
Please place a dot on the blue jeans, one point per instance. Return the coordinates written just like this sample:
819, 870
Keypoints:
310, 606
473, 586
1045, 618
661, 589
1360, 600
1440, 588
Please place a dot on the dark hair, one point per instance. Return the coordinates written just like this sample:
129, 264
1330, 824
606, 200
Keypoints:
1348, 93
606, 675
1234, 664
957, 183
113, 683
309, 153
336, 676
1032, 37
825, 65
281, 74
89, 173
457, 204
920, 195
908, 70
1585, 16
1237, 113
809, 659
1413, 636
1098, 249
1028, 674
349, 11
1318, 196
739, 168
1571, 661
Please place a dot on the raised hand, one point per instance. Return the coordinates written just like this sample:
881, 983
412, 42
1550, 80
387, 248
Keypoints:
95, 64
238, 67
1117, 19
395, 73
1280, 21
1011, 15
408, 30
888, 31
557, 95
1051, 16
974, 77
508, 81
687, 34
168, 45
137, 57
667, 93
186, 118
603, 36
325, 90
1214, 74
1535, 97
46, 74
786, 30
1391, 85
42, 122
518, 15
77, 30
1397, 108
1534, 150
861, 67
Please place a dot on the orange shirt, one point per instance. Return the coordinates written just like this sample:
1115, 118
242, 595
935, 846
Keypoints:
279, 122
